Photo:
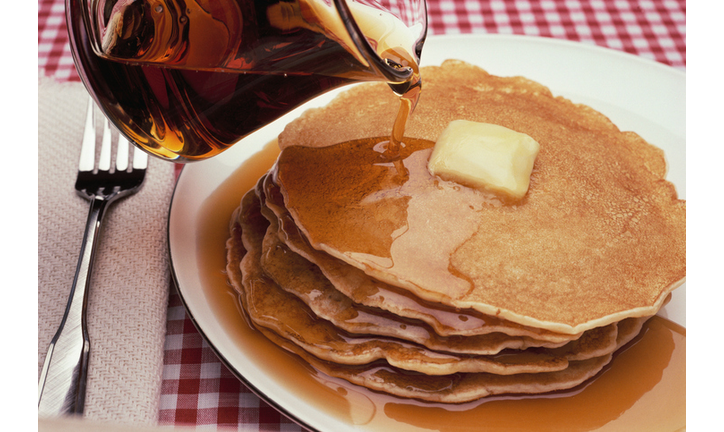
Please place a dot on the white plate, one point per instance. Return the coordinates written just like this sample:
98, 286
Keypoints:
636, 94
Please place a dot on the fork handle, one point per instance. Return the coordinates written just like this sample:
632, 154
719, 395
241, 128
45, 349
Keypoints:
62, 384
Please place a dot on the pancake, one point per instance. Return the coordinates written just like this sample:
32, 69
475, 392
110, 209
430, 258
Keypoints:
364, 290
599, 237
601, 341
270, 307
461, 388
299, 277
451, 388
455, 388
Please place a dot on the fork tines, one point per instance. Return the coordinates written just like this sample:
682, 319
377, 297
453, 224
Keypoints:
89, 149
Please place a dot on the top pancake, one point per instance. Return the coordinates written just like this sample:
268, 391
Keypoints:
599, 237
364, 290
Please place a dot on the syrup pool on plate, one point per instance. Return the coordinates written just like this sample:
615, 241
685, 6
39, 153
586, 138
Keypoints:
644, 388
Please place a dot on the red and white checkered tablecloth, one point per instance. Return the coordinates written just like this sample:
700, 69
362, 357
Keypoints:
197, 388
654, 29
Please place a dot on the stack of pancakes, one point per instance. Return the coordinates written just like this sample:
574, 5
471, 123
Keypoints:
377, 272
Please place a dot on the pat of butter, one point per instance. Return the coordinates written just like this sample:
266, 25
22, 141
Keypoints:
485, 156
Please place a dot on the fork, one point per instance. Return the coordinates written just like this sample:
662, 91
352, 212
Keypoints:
62, 384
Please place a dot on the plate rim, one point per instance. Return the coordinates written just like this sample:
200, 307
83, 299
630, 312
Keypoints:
435, 39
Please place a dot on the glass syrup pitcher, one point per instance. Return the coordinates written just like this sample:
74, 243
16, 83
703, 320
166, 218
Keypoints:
186, 79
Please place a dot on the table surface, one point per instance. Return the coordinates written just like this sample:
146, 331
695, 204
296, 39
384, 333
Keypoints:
197, 389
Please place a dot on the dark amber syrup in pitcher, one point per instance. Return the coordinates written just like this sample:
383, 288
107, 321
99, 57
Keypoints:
195, 114
189, 106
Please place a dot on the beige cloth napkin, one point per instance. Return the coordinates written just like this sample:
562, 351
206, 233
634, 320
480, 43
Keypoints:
128, 298
69, 424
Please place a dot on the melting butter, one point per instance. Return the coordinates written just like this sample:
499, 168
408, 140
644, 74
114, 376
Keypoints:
485, 156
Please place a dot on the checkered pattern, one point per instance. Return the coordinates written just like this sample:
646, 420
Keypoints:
54, 57
197, 388
654, 29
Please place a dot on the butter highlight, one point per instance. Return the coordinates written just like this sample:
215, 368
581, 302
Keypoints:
485, 156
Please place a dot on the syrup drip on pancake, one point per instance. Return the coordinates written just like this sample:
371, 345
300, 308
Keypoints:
393, 213
409, 97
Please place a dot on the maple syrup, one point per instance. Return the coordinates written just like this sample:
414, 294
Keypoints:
644, 388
